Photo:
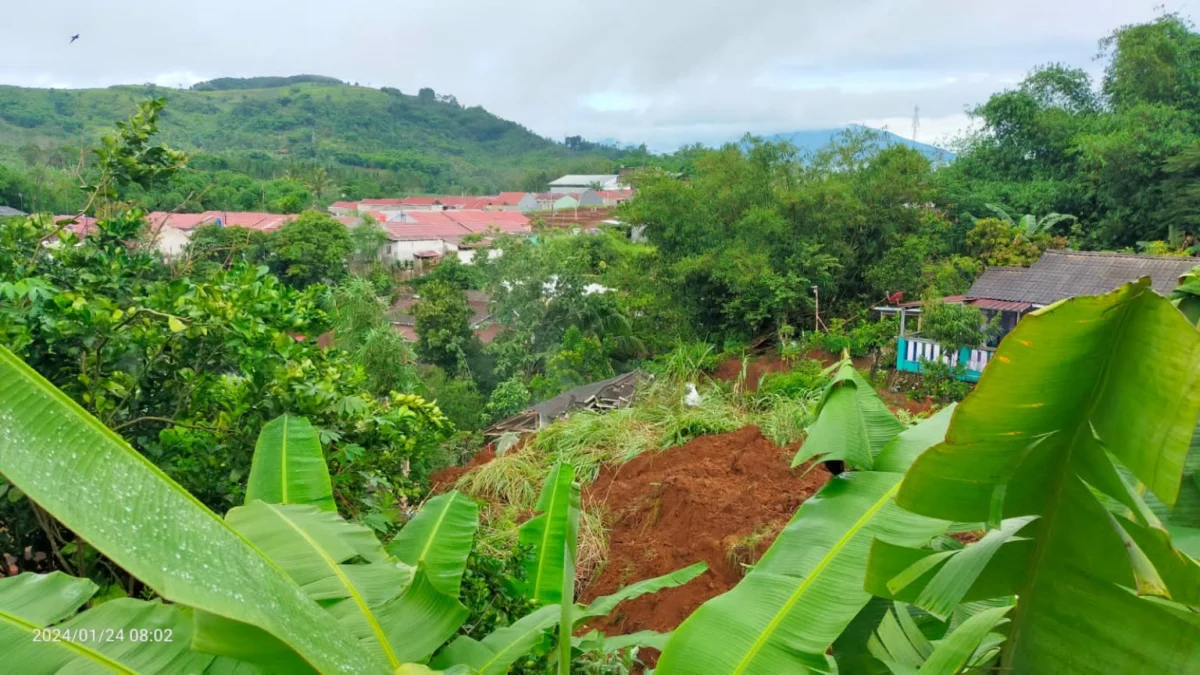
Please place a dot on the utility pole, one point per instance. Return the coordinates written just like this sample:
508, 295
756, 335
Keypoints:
916, 122
816, 310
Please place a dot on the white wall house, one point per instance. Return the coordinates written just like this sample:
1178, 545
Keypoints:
576, 183
406, 250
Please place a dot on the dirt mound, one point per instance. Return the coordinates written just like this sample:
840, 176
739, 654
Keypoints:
729, 370
720, 499
445, 479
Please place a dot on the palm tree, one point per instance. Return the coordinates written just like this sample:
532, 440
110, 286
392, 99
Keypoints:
1030, 225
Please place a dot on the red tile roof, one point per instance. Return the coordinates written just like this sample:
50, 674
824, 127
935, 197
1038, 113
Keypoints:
452, 225
416, 201
510, 198
388, 202
82, 227
344, 205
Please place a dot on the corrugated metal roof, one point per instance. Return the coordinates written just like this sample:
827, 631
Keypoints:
585, 179
1000, 305
1058, 275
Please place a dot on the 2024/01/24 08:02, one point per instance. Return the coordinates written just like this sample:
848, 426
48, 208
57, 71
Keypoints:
103, 635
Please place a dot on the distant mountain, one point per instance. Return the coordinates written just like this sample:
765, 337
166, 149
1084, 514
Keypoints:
813, 140
426, 142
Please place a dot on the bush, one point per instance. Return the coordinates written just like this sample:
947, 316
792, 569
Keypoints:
864, 339
508, 399
941, 382
804, 377
954, 326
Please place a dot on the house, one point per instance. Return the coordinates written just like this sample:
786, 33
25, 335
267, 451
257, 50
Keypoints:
615, 197
615, 392
590, 198
523, 202
553, 201
576, 183
1012, 292
339, 209
171, 232
10, 212
424, 234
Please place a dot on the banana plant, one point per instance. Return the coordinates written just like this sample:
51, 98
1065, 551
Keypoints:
550, 572
902, 647
852, 423
288, 586
89, 478
808, 586
1088, 405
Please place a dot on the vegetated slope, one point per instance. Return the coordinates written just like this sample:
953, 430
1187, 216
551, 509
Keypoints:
719, 498
303, 117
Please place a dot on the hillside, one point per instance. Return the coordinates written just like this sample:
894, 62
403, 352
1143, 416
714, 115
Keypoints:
309, 118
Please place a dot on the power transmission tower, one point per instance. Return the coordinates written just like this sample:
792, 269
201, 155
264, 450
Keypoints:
916, 121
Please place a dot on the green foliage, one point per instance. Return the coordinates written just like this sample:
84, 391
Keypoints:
444, 335
127, 157
371, 142
806, 376
458, 397
579, 360
454, 273
361, 327
507, 399
941, 382
312, 249
1000, 244
865, 338
368, 238
1063, 478
955, 325
228, 246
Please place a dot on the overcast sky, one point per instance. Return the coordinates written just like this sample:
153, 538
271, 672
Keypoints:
658, 71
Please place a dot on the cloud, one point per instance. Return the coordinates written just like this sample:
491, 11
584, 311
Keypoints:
663, 72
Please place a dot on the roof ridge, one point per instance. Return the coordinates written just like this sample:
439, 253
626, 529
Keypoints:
1116, 254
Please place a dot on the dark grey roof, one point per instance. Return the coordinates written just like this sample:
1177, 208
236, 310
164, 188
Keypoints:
6, 211
621, 386
1058, 275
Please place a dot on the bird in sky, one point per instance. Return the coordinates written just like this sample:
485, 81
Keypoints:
74, 38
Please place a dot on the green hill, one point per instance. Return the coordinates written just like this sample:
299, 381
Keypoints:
263, 126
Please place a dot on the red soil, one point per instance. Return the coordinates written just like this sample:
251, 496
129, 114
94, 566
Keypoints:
693, 503
445, 479
729, 370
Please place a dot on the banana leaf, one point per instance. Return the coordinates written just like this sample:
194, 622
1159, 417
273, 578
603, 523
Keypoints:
89, 478
123, 636
903, 648
852, 424
439, 539
495, 654
288, 466
604, 605
1079, 391
806, 589
553, 534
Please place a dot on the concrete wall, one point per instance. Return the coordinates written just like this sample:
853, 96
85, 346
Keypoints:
170, 241
404, 251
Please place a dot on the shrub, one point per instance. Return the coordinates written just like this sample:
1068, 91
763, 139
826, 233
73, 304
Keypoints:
806, 376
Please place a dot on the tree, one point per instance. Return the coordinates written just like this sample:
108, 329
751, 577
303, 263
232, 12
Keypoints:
955, 325
228, 246
369, 238
1156, 62
444, 336
312, 249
